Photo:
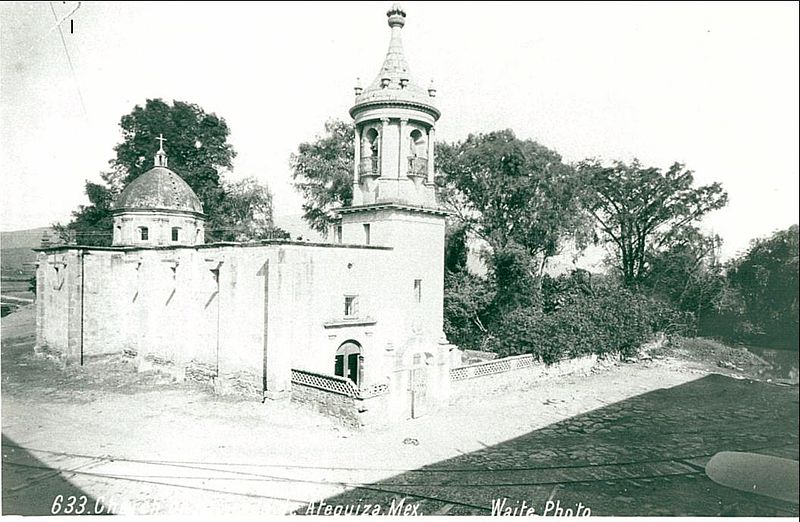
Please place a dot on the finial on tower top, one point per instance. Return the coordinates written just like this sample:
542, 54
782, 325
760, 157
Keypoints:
397, 16
161, 156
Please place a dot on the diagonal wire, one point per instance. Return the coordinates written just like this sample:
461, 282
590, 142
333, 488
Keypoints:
60, 21
428, 469
69, 60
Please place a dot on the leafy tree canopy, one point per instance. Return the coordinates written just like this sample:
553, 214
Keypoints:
643, 210
455, 247
246, 212
766, 277
512, 193
198, 150
196, 144
687, 272
323, 173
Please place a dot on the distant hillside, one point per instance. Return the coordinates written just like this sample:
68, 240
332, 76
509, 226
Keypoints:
296, 226
30, 238
16, 263
16, 256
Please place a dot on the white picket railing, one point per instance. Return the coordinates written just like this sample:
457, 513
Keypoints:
337, 384
480, 369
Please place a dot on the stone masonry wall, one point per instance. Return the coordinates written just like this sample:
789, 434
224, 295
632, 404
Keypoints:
334, 405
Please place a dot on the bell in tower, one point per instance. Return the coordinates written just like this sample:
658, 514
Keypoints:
394, 119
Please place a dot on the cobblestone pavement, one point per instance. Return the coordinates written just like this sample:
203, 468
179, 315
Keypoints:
643, 456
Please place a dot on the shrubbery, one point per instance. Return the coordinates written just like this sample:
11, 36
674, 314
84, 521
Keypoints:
583, 317
578, 314
467, 299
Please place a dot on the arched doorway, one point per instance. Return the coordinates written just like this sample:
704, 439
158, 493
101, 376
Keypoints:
349, 361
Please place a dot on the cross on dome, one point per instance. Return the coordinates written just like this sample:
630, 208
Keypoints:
161, 156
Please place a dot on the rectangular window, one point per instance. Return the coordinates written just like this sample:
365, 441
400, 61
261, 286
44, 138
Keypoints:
339, 233
175, 233
418, 290
350, 306
366, 233
144, 233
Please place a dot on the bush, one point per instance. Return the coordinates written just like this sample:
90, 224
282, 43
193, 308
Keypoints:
765, 280
582, 317
467, 299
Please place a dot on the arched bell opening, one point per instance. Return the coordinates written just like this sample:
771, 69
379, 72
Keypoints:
418, 154
369, 153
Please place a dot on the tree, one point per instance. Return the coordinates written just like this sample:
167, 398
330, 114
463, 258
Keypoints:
467, 308
687, 273
455, 247
643, 211
515, 194
246, 212
766, 277
323, 172
91, 224
197, 147
196, 144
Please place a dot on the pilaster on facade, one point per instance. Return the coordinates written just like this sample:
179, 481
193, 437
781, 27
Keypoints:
384, 166
431, 137
402, 155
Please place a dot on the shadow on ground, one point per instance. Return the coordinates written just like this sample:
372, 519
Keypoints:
644, 456
30, 487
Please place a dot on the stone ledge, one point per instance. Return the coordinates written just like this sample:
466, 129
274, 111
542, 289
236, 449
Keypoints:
349, 322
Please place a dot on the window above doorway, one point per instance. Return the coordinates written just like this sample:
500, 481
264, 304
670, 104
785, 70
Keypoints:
350, 306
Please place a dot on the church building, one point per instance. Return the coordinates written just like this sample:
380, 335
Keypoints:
351, 326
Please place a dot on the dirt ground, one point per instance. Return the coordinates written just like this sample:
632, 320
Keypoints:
137, 443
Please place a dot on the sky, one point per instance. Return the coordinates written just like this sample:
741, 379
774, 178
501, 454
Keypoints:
710, 85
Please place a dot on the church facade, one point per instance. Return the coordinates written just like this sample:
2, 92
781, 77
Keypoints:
352, 325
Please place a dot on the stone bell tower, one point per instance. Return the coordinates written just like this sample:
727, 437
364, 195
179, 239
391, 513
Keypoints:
394, 199
394, 120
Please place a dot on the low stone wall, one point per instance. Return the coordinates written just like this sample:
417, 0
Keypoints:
243, 383
328, 403
513, 372
54, 356
246, 384
339, 398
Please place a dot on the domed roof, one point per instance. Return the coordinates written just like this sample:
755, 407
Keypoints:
394, 83
159, 188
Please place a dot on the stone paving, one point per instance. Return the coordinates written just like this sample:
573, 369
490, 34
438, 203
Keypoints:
644, 456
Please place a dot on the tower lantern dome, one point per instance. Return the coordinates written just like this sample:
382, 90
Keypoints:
394, 120
394, 83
